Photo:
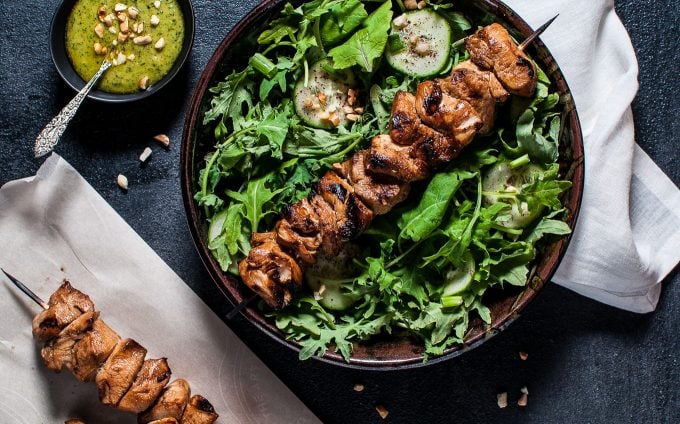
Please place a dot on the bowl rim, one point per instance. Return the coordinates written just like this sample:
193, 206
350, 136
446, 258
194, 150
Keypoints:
65, 69
222, 279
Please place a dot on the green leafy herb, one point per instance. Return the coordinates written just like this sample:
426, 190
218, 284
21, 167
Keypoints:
367, 44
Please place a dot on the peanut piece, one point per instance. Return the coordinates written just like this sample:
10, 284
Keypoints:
143, 83
99, 30
145, 155
163, 139
133, 12
122, 182
142, 40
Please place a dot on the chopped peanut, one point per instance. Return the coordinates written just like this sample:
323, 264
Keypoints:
502, 399
382, 411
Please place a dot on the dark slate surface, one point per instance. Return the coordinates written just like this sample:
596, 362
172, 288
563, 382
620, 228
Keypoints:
587, 362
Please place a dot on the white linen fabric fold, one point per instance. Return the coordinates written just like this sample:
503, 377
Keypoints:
628, 234
55, 225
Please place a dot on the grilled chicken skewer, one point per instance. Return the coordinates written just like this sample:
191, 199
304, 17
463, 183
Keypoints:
75, 338
427, 131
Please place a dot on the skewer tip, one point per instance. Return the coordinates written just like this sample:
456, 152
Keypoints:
28, 292
536, 33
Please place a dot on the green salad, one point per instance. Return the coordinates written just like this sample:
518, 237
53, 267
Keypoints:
424, 267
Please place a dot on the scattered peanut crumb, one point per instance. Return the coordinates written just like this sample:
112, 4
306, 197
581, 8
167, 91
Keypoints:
358, 387
523, 355
523, 400
382, 411
122, 182
146, 154
524, 390
144, 83
163, 139
502, 399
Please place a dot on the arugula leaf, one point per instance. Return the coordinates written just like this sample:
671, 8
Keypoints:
419, 222
367, 44
344, 17
232, 94
274, 127
254, 200
532, 141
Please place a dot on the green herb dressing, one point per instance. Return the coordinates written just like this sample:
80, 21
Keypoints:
147, 60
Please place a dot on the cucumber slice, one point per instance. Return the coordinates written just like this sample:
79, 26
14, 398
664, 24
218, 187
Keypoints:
320, 102
458, 279
426, 36
333, 296
501, 178
334, 274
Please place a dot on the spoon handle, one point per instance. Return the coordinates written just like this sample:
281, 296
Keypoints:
50, 135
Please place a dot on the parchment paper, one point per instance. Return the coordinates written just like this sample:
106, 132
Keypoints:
55, 226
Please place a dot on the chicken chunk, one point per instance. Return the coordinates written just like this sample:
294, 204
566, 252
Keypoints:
352, 216
148, 384
404, 120
492, 48
387, 158
434, 148
301, 217
90, 352
65, 305
453, 117
170, 404
199, 411
381, 194
270, 272
497, 90
475, 87
304, 247
115, 377
58, 352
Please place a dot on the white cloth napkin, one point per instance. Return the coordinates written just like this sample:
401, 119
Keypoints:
55, 225
628, 234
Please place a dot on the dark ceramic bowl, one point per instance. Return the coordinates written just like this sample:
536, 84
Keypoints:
71, 77
394, 351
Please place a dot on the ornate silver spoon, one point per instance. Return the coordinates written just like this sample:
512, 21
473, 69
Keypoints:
50, 135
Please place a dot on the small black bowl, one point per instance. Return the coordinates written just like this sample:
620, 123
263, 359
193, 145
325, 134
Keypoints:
71, 77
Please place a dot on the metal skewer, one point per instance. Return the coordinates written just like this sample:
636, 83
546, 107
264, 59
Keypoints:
536, 33
238, 308
26, 290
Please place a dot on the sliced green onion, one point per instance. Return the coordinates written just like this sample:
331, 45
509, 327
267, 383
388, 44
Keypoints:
263, 65
451, 301
520, 161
